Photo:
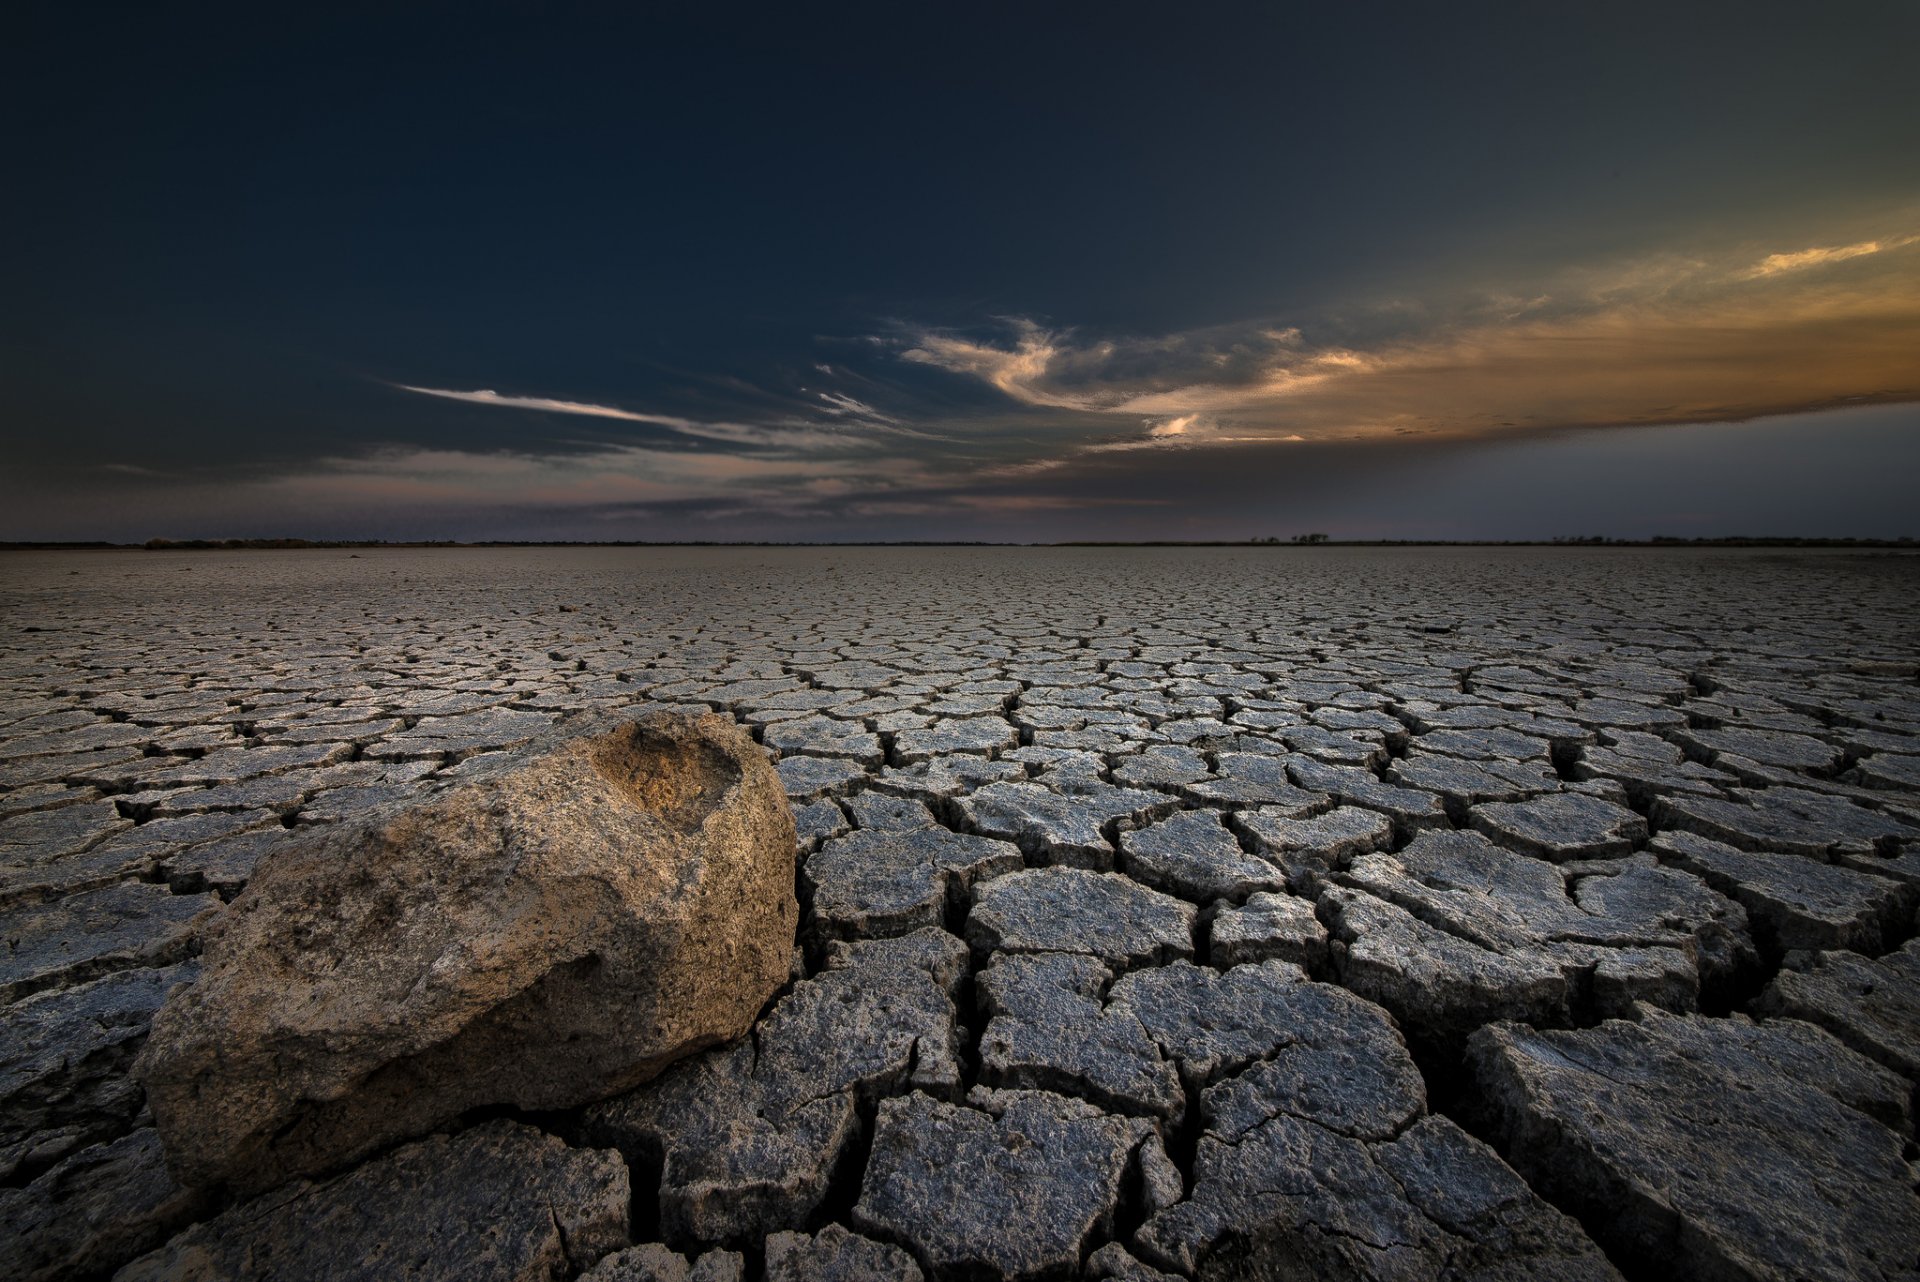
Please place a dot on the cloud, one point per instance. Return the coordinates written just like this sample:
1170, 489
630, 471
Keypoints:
1667, 339
794, 436
1774, 264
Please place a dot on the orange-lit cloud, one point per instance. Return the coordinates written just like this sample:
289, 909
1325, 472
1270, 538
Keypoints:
1671, 339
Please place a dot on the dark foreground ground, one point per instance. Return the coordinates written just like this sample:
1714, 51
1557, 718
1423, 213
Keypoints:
1191, 912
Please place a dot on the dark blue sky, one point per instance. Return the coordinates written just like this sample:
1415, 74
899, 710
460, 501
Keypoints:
900, 271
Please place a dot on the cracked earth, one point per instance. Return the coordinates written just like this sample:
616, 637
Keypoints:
1166, 913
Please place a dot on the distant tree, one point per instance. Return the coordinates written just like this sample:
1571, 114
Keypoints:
1310, 538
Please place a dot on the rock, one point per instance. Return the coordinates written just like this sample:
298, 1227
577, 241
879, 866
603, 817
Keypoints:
1794, 902
652, 1262
1071, 910
1791, 821
95, 1210
1309, 850
836, 1255
83, 936
1114, 1262
1050, 1029
882, 882
63, 1064
1191, 854
547, 932
1015, 1188
1410, 809
813, 778
1268, 927
1165, 766
1691, 1156
500, 1201
1206, 1023
1249, 779
1564, 825
1871, 1004
818, 821
983, 735
878, 811
1454, 932
748, 1137
824, 737
1057, 827
1318, 1162
1769, 747
1462, 783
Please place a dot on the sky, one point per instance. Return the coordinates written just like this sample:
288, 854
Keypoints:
1023, 272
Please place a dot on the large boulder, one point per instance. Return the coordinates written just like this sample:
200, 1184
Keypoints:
552, 929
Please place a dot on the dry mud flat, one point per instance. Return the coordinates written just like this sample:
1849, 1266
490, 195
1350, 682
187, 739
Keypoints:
1209, 913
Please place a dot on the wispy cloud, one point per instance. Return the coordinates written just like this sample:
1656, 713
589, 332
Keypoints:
799, 435
1800, 259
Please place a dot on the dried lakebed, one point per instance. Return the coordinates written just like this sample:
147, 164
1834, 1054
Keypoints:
1165, 912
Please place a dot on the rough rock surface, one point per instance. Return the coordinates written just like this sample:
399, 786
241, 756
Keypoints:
1104, 915
894, 880
1793, 902
836, 1255
1871, 1004
499, 1201
1320, 1161
653, 1262
93, 1210
1454, 932
1013, 1184
1691, 1153
747, 1137
64, 1057
1268, 927
573, 921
